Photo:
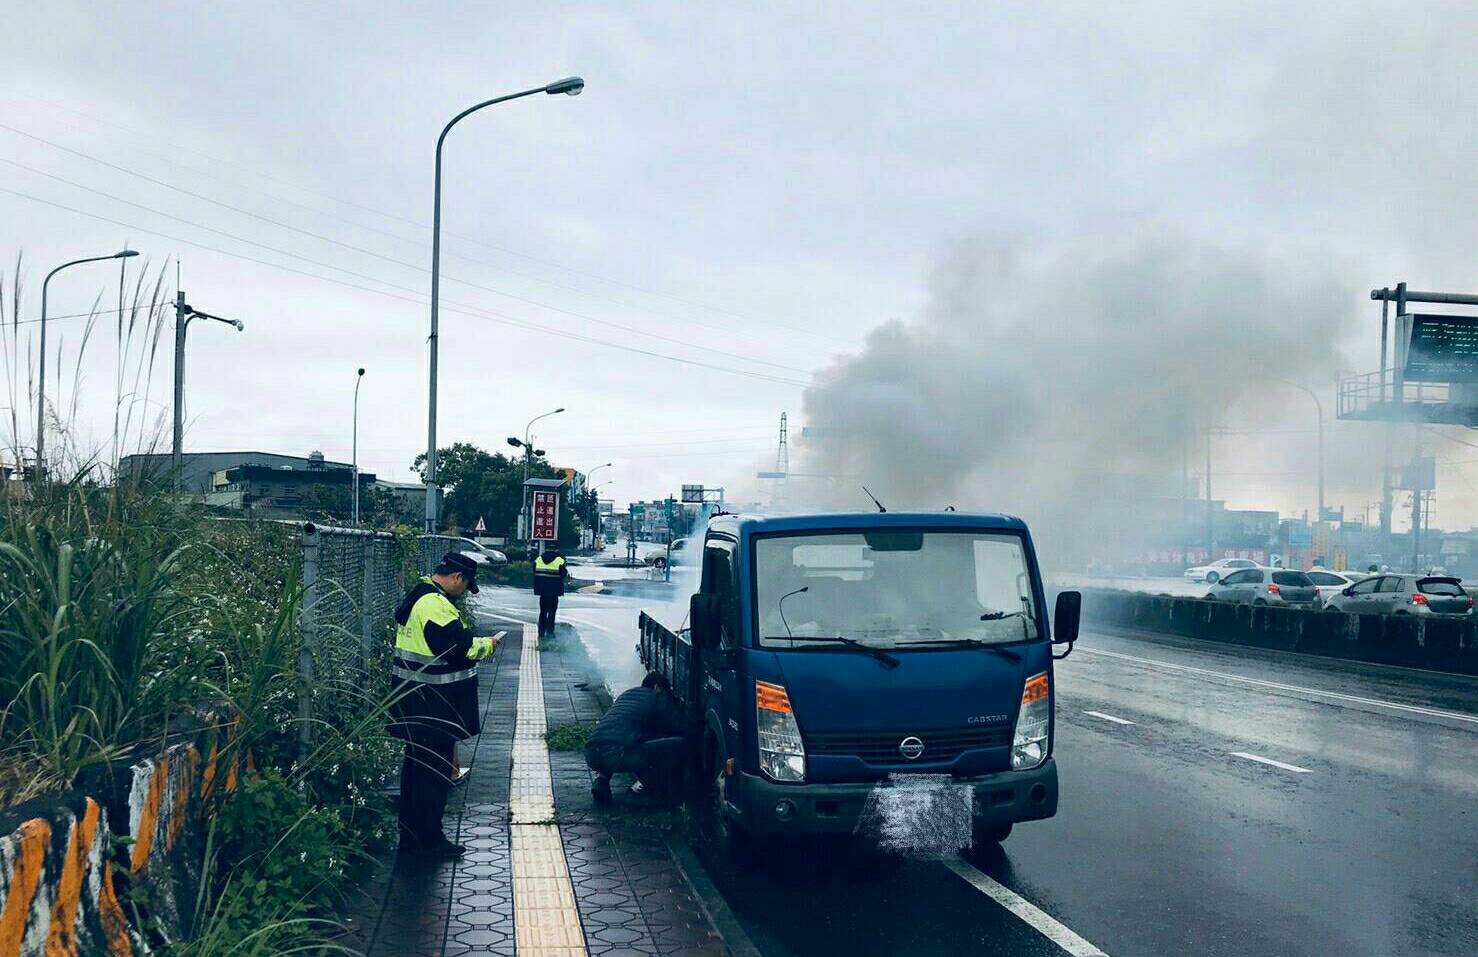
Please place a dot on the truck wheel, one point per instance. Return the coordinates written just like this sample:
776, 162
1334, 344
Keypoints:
733, 844
983, 835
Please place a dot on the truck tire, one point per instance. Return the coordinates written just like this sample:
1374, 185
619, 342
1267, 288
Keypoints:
983, 835
733, 844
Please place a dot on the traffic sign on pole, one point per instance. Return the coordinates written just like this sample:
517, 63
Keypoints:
546, 515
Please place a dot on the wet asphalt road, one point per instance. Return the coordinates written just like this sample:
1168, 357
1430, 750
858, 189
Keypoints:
1173, 835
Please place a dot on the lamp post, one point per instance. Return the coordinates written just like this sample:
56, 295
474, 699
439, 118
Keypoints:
528, 455
571, 85
41, 357
354, 454
183, 313
595, 509
1319, 407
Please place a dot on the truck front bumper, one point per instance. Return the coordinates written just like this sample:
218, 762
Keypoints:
761, 806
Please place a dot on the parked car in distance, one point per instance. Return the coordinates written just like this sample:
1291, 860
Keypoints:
1331, 583
493, 556
1265, 586
1218, 569
1404, 595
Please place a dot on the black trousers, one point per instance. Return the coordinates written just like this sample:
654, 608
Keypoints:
655, 763
425, 779
548, 604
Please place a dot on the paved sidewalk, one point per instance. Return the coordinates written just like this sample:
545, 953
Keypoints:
629, 891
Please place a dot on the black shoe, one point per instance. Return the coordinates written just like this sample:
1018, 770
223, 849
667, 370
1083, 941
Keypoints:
444, 851
601, 791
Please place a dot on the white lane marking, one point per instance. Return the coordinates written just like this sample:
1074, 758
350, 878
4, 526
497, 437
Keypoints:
1296, 689
1270, 762
1109, 717
1041, 921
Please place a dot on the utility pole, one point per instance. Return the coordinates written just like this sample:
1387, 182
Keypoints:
1385, 498
1210, 535
183, 313
1185, 491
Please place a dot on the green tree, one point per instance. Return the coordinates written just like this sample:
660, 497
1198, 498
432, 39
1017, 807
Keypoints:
487, 485
378, 508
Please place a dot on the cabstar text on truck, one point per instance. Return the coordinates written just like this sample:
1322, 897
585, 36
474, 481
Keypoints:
828, 655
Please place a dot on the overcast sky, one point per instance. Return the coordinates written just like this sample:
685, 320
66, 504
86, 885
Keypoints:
742, 193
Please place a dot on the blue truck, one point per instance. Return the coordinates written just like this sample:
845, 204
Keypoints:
827, 656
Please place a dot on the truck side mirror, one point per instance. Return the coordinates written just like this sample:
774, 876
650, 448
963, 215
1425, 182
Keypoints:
705, 620
1066, 618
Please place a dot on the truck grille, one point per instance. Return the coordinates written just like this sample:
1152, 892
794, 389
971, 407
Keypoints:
881, 747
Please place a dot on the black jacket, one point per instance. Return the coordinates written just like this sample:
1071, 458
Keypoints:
635, 717
430, 712
552, 584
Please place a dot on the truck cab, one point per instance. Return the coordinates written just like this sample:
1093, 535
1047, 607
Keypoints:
831, 655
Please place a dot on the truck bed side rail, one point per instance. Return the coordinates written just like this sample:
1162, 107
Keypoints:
670, 655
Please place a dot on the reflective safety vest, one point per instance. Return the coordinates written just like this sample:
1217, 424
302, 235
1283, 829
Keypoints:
413, 660
550, 569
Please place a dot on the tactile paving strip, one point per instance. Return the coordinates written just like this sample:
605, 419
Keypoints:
546, 922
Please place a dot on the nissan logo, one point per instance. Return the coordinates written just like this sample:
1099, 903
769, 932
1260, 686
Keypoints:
911, 748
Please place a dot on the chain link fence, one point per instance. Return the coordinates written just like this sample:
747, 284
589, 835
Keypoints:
353, 580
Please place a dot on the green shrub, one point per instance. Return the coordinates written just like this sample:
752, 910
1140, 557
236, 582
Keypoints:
568, 737
287, 857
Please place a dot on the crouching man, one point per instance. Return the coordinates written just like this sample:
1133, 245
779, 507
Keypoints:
641, 734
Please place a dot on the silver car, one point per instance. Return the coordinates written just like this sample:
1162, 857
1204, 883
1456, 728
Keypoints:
1332, 583
1266, 586
1404, 595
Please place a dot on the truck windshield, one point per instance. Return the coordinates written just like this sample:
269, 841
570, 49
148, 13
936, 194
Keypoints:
892, 590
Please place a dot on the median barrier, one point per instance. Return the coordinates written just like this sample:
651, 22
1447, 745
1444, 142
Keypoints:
131, 831
1409, 640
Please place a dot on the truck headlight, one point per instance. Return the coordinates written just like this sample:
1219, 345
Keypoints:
1029, 746
782, 754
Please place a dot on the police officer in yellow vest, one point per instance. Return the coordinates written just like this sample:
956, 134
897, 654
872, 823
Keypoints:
435, 686
550, 573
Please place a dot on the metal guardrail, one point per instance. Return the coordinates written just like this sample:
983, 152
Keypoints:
1374, 396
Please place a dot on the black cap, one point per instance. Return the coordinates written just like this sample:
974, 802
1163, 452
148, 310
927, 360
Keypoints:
459, 562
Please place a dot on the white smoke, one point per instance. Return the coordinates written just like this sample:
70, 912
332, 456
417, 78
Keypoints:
1057, 379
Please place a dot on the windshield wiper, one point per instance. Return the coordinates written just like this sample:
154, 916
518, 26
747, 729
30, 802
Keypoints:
993, 648
887, 660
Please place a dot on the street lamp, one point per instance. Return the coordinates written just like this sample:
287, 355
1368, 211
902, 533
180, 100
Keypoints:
528, 452
354, 454
1319, 406
594, 516
41, 360
571, 85
183, 313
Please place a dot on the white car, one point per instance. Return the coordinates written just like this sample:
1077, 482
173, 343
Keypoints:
491, 555
1331, 583
1218, 569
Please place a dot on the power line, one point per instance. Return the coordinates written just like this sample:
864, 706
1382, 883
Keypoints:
399, 238
465, 309
358, 249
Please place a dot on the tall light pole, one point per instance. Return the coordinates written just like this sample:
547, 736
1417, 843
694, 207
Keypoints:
41, 358
354, 454
183, 313
528, 450
1319, 407
571, 85
595, 509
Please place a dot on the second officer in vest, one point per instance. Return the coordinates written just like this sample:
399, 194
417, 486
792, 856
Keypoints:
550, 573
435, 697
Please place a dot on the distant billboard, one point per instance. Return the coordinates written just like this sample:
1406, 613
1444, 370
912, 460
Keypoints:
692, 493
1440, 348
